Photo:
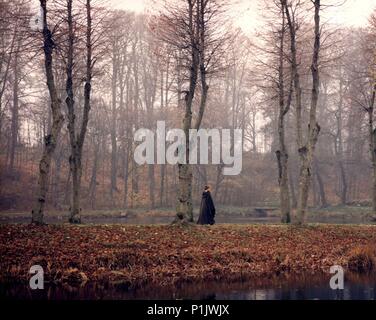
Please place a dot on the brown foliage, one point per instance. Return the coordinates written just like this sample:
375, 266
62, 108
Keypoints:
135, 255
362, 259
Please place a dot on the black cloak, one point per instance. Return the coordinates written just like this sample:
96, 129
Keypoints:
207, 209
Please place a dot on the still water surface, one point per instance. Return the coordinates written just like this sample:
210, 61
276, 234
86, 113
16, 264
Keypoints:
305, 288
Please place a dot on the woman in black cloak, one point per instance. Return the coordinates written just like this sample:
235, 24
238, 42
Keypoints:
207, 209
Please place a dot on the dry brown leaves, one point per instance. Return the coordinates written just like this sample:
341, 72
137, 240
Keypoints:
135, 255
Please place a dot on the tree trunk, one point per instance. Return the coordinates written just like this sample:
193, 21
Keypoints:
57, 182
93, 179
14, 123
126, 177
314, 194
284, 193
73, 158
184, 208
162, 185
113, 129
292, 189
135, 178
343, 183
77, 142
343, 178
282, 155
321, 185
306, 151
372, 149
57, 123
4, 79
218, 180
313, 127
151, 186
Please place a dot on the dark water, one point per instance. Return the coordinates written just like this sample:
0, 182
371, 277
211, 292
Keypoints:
306, 288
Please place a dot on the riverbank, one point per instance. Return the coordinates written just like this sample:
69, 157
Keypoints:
162, 254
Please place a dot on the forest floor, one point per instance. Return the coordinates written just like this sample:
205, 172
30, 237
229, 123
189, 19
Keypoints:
168, 254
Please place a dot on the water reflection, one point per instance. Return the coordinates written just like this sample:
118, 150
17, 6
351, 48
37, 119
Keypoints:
306, 288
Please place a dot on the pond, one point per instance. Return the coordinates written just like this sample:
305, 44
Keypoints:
302, 288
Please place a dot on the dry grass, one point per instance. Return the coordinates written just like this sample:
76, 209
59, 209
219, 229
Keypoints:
362, 259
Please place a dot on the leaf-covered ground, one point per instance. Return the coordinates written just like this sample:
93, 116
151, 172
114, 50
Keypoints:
136, 255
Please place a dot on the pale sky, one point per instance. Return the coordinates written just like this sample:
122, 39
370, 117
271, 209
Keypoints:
247, 12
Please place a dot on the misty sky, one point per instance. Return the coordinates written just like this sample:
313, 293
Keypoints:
246, 12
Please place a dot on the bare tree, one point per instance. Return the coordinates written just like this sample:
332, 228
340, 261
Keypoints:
57, 121
284, 107
189, 27
77, 139
371, 105
306, 148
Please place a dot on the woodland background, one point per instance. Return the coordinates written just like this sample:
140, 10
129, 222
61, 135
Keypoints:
139, 79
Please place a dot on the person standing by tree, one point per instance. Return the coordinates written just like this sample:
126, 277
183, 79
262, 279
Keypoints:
207, 209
